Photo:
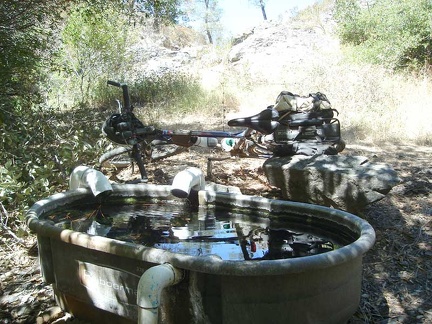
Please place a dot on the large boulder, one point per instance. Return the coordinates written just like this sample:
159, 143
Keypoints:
344, 182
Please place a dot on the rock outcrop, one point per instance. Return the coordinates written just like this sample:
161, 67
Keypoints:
344, 182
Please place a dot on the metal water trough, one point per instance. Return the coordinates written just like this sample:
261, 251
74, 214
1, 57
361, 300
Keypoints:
97, 278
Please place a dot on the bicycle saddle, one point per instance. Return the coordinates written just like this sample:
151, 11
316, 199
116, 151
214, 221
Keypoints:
264, 122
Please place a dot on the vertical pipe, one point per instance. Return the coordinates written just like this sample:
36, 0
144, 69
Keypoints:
150, 287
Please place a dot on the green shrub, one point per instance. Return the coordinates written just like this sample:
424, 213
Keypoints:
39, 151
395, 34
93, 47
27, 31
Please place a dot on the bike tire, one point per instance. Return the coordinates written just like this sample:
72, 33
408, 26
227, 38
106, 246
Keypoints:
340, 146
160, 152
118, 157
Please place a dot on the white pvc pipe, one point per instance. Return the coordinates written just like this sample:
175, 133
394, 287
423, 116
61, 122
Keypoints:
150, 287
184, 181
86, 177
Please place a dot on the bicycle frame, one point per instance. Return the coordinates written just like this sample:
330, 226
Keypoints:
283, 130
134, 135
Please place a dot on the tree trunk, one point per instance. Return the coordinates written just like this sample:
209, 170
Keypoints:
263, 9
210, 38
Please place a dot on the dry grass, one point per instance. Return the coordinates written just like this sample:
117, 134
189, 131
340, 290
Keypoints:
375, 104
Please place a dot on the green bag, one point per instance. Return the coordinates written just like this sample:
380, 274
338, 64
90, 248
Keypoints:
287, 101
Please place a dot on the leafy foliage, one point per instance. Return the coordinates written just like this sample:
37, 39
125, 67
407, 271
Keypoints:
24, 40
39, 145
93, 42
80, 40
25, 35
40, 150
162, 11
396, 34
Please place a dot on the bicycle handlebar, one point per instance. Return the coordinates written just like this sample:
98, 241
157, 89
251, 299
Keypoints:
113, 83
126, 99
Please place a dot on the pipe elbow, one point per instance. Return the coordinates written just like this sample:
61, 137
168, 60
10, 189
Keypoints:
186, 180
153, 281
86, 177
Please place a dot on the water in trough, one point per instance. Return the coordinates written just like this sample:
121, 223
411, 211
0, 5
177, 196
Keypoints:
229, 234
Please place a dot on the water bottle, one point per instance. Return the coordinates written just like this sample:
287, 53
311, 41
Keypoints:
206, 142
228, 144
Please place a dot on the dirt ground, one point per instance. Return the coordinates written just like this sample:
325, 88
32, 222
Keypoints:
397, 285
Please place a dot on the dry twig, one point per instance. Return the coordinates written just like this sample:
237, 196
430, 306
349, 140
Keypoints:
4, 217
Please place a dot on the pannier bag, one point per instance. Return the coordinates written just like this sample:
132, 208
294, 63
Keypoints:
287, 101
306, 125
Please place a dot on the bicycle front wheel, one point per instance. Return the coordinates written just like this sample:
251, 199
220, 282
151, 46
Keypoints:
159, 152
120, 157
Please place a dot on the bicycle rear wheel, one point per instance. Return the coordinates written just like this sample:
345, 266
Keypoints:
121, 157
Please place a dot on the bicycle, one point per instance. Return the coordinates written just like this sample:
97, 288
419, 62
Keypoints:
271, 132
